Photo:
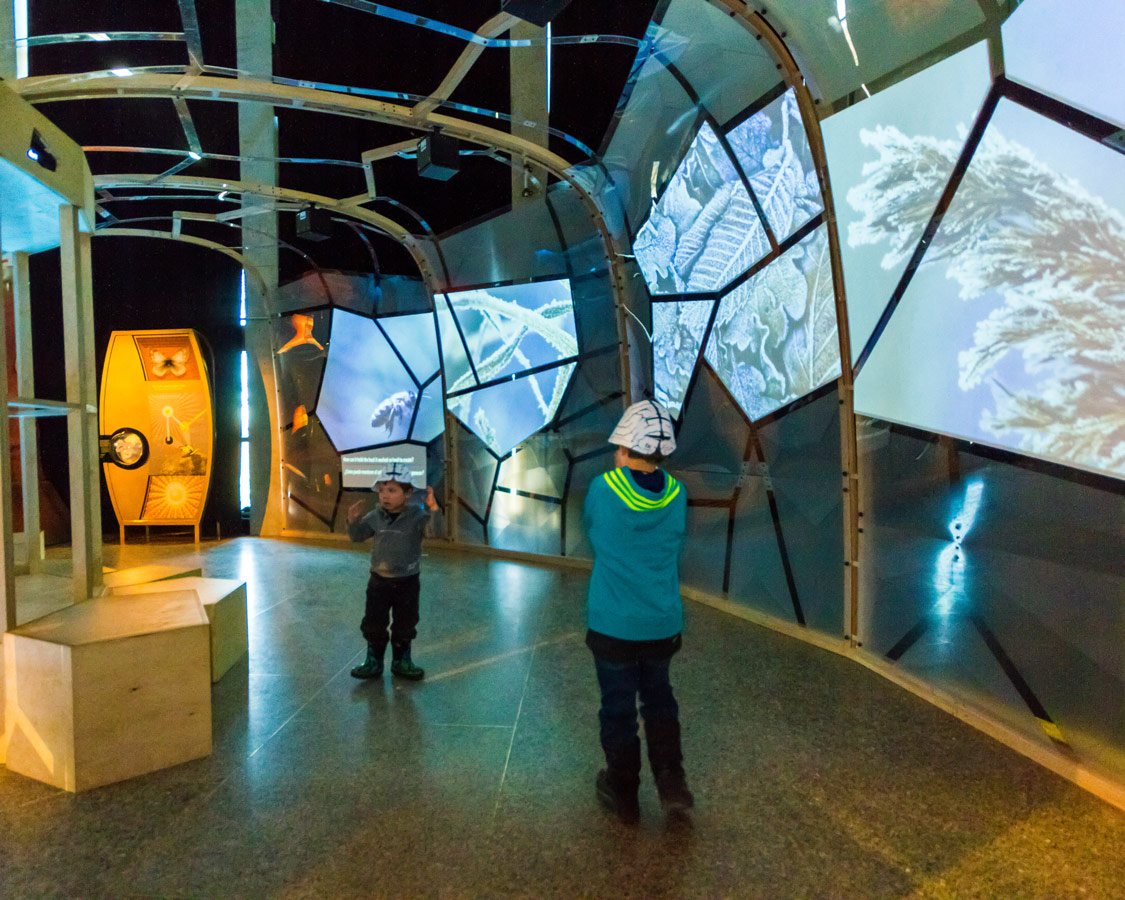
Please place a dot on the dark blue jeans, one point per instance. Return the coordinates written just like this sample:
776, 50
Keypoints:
621, 682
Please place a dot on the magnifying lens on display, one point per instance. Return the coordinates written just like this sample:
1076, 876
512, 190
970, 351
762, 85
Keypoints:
126, 448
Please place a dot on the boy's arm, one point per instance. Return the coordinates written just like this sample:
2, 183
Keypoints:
359, 529
435, 522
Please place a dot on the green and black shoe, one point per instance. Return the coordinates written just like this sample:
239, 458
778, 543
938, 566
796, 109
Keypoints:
404, 667
372, 667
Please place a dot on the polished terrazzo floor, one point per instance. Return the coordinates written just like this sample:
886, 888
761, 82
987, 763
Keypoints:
815, 778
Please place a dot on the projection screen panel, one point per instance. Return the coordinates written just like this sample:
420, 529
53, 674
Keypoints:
775, 336
677, 337
367, 397
703, 231
1010, 333
890, 158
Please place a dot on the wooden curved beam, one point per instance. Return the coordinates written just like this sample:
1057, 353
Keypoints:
185, 239
94, 86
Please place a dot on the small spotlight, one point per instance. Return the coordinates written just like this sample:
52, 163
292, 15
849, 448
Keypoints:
38, 152
121, 73
194, 155
223, 195
99, 36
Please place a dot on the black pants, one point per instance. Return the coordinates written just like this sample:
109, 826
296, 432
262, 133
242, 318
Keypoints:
385, 595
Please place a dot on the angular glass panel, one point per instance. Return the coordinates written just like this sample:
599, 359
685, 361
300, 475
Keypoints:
1071, 51
774, 338
774, 153
311, 478
703, 231
525, 524
516, 327
367, 397
359, 470
504, 414
299, 359
867, 39
414, 338
890, 159
677, 337
458, 373
1010, 332
431, 414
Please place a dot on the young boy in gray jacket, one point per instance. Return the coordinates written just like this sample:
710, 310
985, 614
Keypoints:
397, 526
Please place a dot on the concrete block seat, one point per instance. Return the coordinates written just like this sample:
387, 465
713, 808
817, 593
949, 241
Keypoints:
108, 689
224, 602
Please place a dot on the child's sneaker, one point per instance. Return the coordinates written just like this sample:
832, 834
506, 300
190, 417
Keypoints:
372, 667
404, 667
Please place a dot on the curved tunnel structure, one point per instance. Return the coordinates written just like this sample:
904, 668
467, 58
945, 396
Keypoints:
871, 261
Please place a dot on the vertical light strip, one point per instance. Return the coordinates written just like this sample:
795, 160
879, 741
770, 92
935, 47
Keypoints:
548, 68
244, 443
21, 38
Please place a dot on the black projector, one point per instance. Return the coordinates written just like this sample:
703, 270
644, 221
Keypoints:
314, 224
438, 157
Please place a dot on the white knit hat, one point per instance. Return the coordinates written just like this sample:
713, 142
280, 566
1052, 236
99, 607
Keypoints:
645, 428
397, 471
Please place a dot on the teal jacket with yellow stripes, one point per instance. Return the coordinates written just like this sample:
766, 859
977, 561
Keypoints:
636, 536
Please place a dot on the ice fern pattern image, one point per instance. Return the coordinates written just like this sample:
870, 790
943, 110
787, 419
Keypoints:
1044, 259
775, 337
677, 336
509, 330
774, 153
704, 230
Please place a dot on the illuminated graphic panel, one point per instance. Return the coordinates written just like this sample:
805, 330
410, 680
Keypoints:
367, 397
1072, 51
414, 337
703, 231
156, 382
505, 414
362, 468
430, 421
890, 157
775, 155
458, 373
1010, 332
516, 327
774, 338
677, 336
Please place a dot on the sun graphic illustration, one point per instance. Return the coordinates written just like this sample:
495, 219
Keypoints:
171, 497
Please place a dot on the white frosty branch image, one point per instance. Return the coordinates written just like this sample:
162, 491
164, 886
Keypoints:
1044, 258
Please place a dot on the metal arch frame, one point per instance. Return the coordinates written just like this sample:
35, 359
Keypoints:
346, 207
81, 86
183, 238
757, 24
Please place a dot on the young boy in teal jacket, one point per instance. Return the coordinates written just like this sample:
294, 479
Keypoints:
635, 516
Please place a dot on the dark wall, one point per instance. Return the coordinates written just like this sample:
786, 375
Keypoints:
147, 283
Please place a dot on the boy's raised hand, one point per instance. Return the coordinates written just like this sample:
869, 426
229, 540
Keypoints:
355, 511
431, 503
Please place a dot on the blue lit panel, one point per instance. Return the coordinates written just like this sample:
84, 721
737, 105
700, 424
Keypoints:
703, 231
775, 155
516, 327
367, 397
677, 337
507, 413
431, 414
458, 373
414, 337
1010, 331
775, 338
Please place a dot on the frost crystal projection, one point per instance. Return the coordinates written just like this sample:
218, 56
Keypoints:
774, 153
507, 331
1036, 346
704, 230
677, 333
774, 337
367, 396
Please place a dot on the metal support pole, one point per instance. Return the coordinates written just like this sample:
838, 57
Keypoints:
7, 553
29, 433
81, 420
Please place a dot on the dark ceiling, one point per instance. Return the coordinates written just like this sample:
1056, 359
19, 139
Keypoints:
329, 43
